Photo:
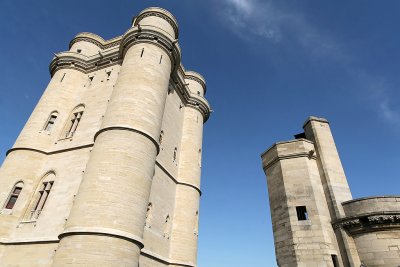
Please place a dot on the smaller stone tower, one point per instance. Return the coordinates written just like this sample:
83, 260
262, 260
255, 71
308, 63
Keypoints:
315, 221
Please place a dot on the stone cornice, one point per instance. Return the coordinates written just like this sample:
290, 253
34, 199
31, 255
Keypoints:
158, 12
145, 34
191, 75
369, 222
289, 156
96, 40
192, 100
116, 48
72, 60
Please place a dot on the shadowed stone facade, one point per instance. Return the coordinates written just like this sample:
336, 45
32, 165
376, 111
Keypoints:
316, 223
106, 171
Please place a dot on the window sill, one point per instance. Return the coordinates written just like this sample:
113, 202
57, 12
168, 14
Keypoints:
6, 211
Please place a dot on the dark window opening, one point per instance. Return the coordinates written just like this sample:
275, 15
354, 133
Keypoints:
302, 214
13, 198
335, 261
79, 50
50, 122
300, 136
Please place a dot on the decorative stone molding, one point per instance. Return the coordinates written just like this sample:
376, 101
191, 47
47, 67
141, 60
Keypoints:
309, 155
372, 222
147, 35
190, 75
114, 56
158, 12
96, 40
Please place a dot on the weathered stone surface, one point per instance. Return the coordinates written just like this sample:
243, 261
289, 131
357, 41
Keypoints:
308, 172
126, 182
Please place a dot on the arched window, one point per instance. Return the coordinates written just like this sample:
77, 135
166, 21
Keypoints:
149, 215
42, 195
12, 199
50, 121
74, 120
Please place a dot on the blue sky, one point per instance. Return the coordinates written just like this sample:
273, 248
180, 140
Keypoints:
268, 65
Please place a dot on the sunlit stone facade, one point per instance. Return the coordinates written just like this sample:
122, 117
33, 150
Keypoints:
106, 171
316, 222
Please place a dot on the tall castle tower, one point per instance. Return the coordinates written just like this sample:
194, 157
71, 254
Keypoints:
107, 169
316, 223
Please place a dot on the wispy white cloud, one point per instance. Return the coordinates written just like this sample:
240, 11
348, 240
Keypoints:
268, 21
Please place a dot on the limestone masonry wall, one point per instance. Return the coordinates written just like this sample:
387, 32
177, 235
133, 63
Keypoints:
107, 168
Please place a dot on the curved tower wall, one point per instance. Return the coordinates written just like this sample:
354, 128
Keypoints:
185, 223
131, 90
121, 165
374, 223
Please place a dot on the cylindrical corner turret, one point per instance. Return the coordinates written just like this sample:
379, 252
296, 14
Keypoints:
185, 227
159, 19
112, 200
196, 83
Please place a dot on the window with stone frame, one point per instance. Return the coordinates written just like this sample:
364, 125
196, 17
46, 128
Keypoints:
74, 121
12, 199
44, 193
50, 122
302, 214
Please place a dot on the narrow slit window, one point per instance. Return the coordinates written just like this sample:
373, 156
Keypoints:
50, 122
14, 196
161, 137
196, 223
335, 261
62, 78
160, 59
167, 226
43, 196
302, 214
175, 152
141, 54
108, 73
149, 215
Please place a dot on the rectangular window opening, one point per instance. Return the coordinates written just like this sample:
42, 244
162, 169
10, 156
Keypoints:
335, 260
302, 214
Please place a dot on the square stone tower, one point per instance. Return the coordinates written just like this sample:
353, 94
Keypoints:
106, 171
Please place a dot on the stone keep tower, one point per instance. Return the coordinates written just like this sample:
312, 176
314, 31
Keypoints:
106, 171
315, 221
